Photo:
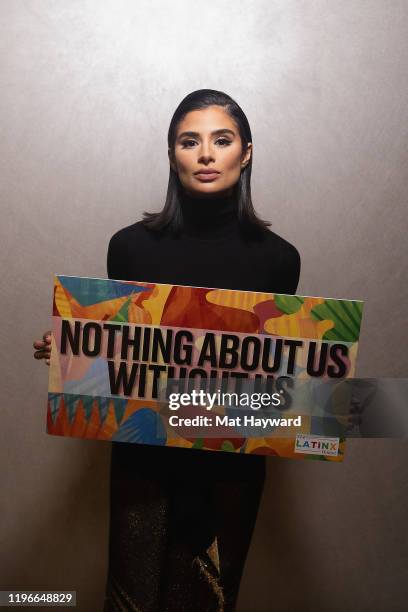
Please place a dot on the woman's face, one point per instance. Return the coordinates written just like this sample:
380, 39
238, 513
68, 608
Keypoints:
208, 155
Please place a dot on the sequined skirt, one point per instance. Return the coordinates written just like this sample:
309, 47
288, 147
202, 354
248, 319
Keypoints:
181, 523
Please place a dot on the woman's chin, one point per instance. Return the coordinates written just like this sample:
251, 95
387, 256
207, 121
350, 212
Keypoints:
208, 189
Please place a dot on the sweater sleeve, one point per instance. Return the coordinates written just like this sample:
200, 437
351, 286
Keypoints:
117, 258
291, 269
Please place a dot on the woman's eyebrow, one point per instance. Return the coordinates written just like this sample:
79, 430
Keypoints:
214, 133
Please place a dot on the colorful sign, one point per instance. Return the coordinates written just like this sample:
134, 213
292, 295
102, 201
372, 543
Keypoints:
127, 356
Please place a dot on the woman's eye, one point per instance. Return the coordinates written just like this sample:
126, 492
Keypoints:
223, 141
187, 143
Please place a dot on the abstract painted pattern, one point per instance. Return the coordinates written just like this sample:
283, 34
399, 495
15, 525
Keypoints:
80, 399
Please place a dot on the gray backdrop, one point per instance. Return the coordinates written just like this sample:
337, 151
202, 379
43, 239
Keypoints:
88, 90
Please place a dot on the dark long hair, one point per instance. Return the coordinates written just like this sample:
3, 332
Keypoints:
170, 217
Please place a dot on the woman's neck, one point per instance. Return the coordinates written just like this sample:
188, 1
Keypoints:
209, 217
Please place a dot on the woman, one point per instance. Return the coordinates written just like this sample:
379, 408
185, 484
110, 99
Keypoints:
181, 520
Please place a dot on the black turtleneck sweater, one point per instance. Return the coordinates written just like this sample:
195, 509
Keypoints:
210, 252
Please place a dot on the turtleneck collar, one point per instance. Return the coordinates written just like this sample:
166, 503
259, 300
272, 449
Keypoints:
209, 218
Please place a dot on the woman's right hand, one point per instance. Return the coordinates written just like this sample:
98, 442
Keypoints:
43, 348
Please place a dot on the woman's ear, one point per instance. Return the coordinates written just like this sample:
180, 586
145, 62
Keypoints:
172, 160
247, 156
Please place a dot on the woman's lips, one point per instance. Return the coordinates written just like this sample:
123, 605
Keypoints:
206, 177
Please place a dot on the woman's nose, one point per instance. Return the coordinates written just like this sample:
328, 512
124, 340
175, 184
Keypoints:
206, 152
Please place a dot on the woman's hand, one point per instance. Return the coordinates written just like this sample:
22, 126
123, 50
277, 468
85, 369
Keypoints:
43, 348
